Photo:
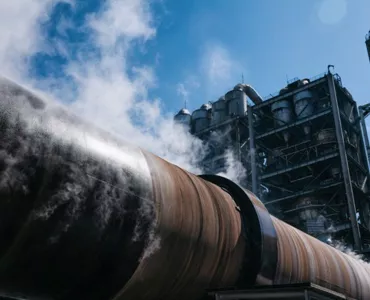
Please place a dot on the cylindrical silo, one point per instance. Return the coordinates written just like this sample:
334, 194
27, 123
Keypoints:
183, 117
304, 107
283, 115
236, 102
201, 118
219, 111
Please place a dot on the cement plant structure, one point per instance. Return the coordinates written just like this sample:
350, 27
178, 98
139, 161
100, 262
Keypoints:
304, 149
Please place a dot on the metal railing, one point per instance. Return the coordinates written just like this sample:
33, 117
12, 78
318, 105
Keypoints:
311, 79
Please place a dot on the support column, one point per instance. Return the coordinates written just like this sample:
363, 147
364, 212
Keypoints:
365, 135
252, 152
237, 138
344, 163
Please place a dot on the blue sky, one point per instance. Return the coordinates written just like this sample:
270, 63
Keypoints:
269, 39
128, 65
266, 40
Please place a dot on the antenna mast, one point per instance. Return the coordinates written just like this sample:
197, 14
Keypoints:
367, 42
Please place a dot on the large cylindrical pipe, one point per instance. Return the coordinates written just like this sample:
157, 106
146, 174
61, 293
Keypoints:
85, 216
303, 258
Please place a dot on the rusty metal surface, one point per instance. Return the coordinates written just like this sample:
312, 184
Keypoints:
302, 258
201, 245
260, 255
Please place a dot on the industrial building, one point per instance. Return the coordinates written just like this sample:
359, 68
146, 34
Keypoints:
304, 150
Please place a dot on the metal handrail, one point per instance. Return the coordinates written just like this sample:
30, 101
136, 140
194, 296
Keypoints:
311, 79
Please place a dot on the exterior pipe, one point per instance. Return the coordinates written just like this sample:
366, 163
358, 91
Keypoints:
84, 215
250, 92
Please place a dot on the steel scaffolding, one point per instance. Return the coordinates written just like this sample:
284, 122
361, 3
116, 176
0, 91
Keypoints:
316, 182
311, 169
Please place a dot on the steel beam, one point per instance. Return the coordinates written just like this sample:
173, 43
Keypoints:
297, 166
365, 136
344, 162
298, 122
303, 193
252, 151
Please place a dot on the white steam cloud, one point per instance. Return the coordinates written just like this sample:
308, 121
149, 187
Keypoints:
234, 169
103, 85
219, 69
345, 248
20, 33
